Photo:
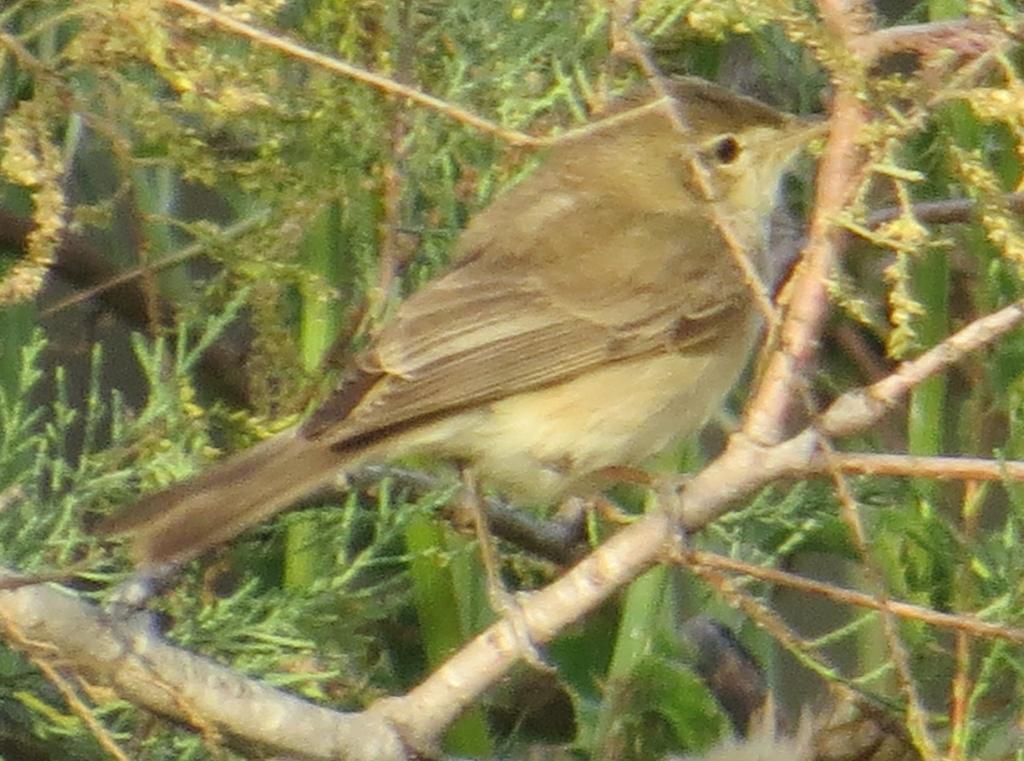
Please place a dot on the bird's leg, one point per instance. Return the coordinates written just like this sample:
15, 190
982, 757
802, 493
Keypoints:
605, 508
126, 608
610, 512
134, 592
666, 492
502, 601
623, 474
665, 489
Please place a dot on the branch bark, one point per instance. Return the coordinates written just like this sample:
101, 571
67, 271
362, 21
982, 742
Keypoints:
143, 668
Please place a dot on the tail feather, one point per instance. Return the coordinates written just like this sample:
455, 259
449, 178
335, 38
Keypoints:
182, 521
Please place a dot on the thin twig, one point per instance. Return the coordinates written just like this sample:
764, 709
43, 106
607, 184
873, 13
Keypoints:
971, 625
769, 620
384, 84
959, 708
699, 173
969, 37
946, 212
190, 251
854, 410
850, 511
943, 468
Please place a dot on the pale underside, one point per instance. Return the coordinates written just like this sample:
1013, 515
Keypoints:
540, 445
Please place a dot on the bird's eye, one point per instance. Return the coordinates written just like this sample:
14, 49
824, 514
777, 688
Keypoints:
726, 149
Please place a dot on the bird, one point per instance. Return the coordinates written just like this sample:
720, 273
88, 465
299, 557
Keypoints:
594, 314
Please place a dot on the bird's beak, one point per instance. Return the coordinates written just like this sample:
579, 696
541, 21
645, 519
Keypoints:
803, 131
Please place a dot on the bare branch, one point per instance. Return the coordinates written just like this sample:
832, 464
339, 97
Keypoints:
939, 467
806, 294
968, 624
968, 37
423, 713
949, 211
744, 467
148, 671
857, 409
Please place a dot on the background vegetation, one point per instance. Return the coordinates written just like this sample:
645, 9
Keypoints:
190, 218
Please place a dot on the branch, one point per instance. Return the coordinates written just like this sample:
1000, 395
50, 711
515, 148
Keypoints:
915, 466
143, 668
949, 211
855, 410
808, 300
560, 540
967, 37
383, 84
961, 623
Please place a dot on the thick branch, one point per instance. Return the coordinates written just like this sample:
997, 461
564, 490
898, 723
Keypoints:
151, 673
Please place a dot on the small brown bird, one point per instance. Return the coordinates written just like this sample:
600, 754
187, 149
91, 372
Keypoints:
594, 315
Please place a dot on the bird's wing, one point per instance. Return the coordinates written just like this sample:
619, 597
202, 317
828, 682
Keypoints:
488, 330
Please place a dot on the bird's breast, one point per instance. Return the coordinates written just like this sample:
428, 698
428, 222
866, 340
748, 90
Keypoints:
543, 444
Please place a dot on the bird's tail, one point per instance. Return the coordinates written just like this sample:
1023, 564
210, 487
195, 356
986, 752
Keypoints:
182, 521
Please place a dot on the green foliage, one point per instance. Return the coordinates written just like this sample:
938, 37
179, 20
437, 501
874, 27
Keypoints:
292, 203
661, 707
